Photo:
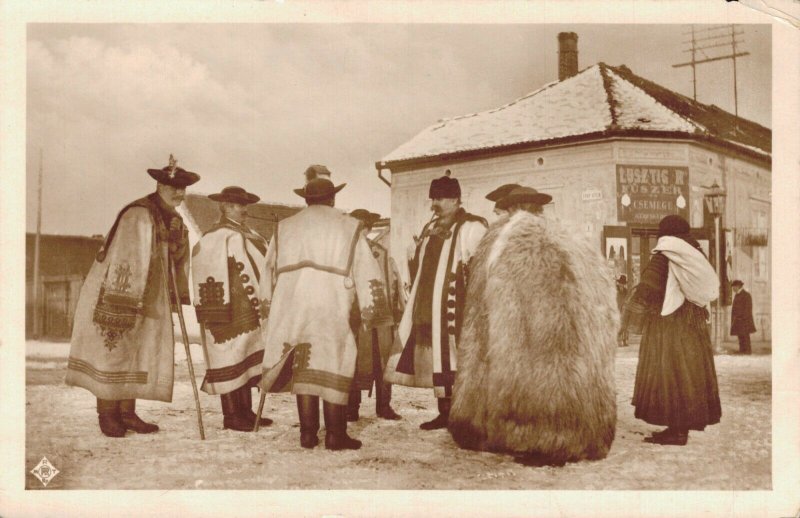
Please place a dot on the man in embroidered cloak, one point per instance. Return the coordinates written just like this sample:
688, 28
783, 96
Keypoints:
227, 267
122, 338
424, 352
374, 344
318, 263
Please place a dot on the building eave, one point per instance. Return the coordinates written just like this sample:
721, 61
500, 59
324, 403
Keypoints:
399, 166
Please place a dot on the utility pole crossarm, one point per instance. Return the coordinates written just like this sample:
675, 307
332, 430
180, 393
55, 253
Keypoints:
709, 60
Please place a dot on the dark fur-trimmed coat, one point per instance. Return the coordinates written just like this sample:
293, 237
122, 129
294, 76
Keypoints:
536, 359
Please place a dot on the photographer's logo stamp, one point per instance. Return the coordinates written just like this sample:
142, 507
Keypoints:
45, 471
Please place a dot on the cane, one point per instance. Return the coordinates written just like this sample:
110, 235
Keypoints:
188, 352
260, 408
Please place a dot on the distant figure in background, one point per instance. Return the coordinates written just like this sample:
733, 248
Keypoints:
227, 267
375, 343
123, 347
742, 317
498, 194
622, 295
536, 357
676, 382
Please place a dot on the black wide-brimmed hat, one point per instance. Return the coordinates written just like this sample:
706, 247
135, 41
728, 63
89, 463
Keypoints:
502, 191
365, 216
444, 187
673, 225
318, 189
523, 195
234, 194
315, 171
173, 175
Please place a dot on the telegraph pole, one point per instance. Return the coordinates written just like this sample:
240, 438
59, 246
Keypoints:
37, 313
712, 38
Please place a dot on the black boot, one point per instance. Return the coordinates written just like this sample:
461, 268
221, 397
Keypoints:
353, 404
231, 419
245, 403
109, 418
383, 398
440, 421
336, 437
131, 421
308, 411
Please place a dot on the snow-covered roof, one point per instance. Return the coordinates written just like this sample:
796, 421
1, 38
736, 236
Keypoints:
600, 100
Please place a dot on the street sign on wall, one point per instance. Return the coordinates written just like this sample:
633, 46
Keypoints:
646, 193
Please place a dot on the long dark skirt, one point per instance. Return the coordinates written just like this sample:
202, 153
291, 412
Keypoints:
676, 382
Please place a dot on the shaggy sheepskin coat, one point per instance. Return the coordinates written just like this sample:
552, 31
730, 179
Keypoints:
536, 358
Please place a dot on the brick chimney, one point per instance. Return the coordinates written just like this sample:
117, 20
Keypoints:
567, 55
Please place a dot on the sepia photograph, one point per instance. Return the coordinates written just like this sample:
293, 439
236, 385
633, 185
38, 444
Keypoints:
340, 255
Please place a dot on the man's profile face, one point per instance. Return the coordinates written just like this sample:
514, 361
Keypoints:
500, 212
236, 212
172, 196
444, 207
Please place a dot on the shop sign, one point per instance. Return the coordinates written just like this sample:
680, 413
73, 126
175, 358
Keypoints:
646, 193
592, 195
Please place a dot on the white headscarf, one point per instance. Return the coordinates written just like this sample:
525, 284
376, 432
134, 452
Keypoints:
690, 275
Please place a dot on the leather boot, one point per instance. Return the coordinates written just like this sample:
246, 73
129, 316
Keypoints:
109, 418
308, 411
131, 421
440, 421
336, 437
383, 398
353, 404
231, 419
245, 403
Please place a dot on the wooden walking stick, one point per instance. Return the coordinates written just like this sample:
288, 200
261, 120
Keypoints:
260, 408
186, 345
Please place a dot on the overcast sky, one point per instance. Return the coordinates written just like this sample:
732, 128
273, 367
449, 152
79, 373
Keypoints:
254, 105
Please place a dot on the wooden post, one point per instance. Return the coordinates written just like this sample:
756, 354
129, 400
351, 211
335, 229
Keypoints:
37, 289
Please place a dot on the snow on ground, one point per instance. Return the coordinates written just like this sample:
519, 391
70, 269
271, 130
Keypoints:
62, 425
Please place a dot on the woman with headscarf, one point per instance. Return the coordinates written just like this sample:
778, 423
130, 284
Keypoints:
676, 382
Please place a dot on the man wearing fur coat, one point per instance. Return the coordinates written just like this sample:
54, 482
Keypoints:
318, 263
374, 344
536, 357
122, 341
227, 267
424, 353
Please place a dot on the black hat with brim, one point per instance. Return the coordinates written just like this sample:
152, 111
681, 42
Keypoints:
523, 195
365, 216
175, 177
235, 194
318, 189
502, 191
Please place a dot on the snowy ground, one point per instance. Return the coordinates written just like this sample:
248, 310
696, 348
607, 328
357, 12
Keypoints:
62, 425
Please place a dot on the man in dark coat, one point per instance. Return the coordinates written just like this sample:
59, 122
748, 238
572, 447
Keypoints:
742, 317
